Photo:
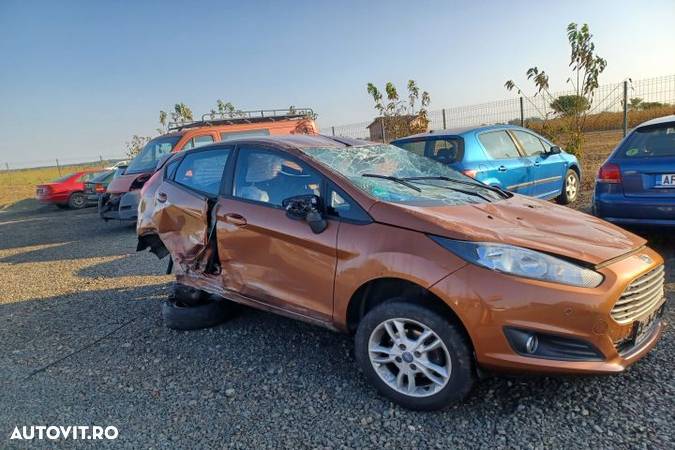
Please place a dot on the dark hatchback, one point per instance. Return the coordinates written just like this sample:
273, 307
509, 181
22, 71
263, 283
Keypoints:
636, 185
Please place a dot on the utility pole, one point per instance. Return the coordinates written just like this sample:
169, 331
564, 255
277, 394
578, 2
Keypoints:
522, 113
58, 166
445, 123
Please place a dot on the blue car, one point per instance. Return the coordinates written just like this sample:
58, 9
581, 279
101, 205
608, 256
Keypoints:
636, 185
507, 156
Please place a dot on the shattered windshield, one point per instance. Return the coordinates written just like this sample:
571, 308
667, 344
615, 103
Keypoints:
392, 174
153, 151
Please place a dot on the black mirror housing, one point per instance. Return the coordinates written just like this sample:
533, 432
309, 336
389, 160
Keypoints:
555, 150
307, 208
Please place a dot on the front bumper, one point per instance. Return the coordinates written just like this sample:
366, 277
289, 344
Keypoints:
122, 206
488, 302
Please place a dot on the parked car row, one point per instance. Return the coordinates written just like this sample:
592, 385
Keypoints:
440, 254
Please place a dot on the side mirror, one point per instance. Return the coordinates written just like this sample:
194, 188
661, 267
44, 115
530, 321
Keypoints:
555, 150
307, 208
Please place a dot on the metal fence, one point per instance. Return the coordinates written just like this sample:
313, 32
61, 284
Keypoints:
614, 98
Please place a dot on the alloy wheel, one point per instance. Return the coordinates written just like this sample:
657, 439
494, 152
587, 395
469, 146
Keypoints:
571, 187
409, 357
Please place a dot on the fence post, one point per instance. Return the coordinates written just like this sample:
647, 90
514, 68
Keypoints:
522, 113
445, 124
384, 136
58, 166
625, 108
332, 129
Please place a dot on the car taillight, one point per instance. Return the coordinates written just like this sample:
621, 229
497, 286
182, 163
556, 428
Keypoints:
609, 173
99, 188
470, 173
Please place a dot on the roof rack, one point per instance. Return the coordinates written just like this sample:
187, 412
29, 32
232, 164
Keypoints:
239, 117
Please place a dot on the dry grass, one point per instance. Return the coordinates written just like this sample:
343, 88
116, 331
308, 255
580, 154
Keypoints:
18, 186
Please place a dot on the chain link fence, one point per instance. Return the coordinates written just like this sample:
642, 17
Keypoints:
614, 106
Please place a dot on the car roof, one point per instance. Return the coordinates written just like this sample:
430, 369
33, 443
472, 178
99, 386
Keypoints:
459, 131
658, 121
288, 141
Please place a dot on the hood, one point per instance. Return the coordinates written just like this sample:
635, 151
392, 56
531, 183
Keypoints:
122, 183
521, 221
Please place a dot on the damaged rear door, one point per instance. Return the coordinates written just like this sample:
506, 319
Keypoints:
184, 205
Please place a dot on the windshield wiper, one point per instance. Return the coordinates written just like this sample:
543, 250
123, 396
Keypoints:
394, 179
496, 189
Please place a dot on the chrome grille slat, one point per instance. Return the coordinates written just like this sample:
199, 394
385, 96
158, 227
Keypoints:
643, 294
639, 283
621, 304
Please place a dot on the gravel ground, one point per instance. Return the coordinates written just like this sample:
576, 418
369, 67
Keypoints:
81, 343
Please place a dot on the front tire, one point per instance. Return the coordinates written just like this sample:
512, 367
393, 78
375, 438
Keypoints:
414, 356
570, 190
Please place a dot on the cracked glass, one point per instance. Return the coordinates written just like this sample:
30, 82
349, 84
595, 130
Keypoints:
384, 160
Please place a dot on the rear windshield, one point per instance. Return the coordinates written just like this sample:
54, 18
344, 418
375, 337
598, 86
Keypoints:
102, 177
446, 150
652, 141
153, 151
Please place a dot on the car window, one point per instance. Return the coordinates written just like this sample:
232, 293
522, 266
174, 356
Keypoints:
203, 171
87, 177
228, 136
445, 150
271, 177
171, 169
198, 141
415, 147
531, 144
342, 206
650, 141
499, 145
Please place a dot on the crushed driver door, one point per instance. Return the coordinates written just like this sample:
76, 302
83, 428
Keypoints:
184, 204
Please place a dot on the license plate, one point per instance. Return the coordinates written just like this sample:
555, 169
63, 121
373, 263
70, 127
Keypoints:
643, 327
666, 180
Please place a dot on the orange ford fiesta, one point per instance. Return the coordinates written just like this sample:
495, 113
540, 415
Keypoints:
436, 274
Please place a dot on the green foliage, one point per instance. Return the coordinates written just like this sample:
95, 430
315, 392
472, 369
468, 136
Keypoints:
638, 104
586, 68
570, 105
401, 118
135, 145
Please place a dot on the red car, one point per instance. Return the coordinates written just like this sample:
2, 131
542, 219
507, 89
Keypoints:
67, 191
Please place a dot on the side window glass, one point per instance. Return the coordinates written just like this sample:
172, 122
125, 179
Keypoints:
271, 177
499, 145
531, 144
203, 171
189, 144
198, 141
171, 169
228, 136
342, 206
415, 146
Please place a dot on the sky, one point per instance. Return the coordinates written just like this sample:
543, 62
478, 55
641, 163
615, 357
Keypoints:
78, 79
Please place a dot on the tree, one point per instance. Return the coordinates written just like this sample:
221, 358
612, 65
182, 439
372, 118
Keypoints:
570, 105
400, 117
586, 69
136, 144
181, 113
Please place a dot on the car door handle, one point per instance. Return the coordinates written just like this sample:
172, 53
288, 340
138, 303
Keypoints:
235, 219
502, 168
161, 197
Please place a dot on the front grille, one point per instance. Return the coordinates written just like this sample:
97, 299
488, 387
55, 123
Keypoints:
643, 294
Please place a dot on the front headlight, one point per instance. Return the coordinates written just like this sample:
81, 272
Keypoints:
521, 262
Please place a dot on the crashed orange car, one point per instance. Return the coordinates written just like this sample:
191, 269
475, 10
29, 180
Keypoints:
438, 276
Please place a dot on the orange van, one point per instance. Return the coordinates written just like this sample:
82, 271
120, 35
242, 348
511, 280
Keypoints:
120, 201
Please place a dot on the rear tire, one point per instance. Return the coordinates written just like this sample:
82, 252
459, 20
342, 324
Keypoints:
188, 296
440, 366
77, 200
570, 190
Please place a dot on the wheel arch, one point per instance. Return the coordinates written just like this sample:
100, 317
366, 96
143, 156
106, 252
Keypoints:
376, 291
